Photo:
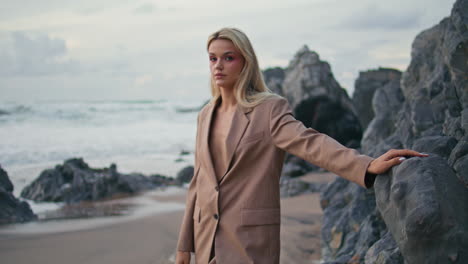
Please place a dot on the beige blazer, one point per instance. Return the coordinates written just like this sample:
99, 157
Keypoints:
241, 212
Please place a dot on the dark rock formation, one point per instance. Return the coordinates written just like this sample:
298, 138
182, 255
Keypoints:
364, 88
317, 100
11, 209
316, 97
384, 251
274, 78
75, 181
378, 137
425, 208
351, 223
185, 175
423, 201
290, 187
295, 167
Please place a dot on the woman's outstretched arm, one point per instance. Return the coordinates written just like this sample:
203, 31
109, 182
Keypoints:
322, 150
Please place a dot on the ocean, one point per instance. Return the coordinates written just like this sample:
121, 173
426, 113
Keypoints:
138, 136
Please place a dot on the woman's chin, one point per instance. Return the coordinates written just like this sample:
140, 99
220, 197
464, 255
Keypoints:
222, 83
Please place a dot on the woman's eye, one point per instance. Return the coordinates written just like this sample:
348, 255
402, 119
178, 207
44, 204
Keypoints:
229, 58
212, 59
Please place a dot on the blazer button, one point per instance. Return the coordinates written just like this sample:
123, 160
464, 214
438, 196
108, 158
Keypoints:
217, 188
216, 216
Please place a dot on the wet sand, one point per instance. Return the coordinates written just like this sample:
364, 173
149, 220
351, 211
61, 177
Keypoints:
152, 237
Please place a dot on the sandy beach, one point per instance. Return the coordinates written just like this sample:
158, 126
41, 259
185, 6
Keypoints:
152, 237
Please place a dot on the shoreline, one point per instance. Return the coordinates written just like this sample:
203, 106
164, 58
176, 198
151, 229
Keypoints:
95, 214
149, 234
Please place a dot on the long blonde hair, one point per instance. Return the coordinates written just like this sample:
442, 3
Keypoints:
250, 89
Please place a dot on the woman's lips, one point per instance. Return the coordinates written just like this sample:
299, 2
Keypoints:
219, 75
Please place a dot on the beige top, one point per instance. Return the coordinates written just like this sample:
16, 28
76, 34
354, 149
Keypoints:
220, 126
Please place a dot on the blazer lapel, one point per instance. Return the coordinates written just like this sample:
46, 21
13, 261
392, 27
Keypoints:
204, 144
240, 121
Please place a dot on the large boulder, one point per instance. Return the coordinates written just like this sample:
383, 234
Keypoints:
425, 208
12, 210
75, 181
423, 201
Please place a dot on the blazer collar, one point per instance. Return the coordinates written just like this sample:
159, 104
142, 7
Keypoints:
240, 122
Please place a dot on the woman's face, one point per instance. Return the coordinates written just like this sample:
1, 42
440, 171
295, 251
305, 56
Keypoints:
226, 63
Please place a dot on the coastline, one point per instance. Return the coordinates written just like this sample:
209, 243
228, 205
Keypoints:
149, 234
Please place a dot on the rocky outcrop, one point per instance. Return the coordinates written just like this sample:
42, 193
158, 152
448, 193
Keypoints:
316, 97
423, 201
274, 78
75, 181
12, 210
317, 100
351, 223
379, 135
185, 174
364, 88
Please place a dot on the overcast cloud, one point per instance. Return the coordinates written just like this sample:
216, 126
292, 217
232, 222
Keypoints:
114, 49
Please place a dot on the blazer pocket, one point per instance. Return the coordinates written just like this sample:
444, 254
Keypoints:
196, 214
252, 138
261, 216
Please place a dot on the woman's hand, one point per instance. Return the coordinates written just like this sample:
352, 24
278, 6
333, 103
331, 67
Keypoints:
182, 257
391, 158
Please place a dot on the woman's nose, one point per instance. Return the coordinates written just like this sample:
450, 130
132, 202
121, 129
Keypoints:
219, 65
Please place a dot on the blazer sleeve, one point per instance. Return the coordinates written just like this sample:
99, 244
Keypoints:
186, 236
317, 148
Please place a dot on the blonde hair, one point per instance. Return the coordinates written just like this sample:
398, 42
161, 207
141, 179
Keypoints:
250, 89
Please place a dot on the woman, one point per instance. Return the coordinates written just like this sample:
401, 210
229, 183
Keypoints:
232, 210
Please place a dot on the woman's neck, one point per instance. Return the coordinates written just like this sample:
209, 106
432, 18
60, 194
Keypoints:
228, 100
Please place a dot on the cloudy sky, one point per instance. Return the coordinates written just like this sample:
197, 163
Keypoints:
133, 50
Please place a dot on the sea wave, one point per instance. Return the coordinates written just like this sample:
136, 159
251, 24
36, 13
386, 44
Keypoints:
96, 112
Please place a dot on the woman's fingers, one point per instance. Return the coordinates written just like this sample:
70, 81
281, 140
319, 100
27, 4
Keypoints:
396, 161
391, 158
403, 152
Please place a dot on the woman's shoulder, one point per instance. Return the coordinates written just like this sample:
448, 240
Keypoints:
274, 101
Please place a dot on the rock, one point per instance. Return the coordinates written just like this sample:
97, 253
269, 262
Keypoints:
290, 187
351, 223
295, 167
12, 210
440, 145
5, 183
75, 181
364, 88
384, 251
386, 99
162, 180
310, 88
425, 208
274, 78
184, 152
317, 100
422, 201
185, 175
